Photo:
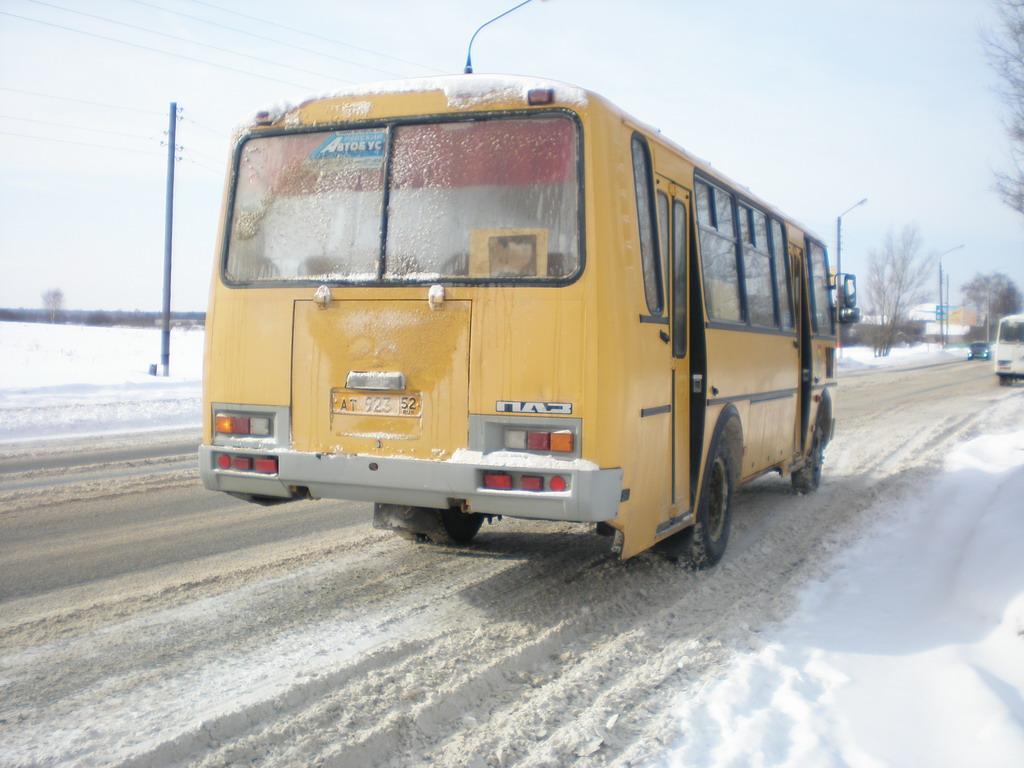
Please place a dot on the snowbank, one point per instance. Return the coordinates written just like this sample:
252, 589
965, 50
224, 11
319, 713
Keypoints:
912, 654
854, 358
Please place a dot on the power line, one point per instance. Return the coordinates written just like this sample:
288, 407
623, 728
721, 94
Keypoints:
183, 39
76, 127
81, 101
156, 50
204, 167
271, 39
200, 154
81, 143
315, 36
206, 128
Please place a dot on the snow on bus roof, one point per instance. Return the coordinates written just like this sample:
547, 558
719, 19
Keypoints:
462, 91
467, 91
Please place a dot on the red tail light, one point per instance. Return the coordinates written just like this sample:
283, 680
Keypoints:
266, 466
538, 441
531, 483
498, 481
262, 464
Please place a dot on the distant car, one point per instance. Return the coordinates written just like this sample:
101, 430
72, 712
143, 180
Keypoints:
979, 350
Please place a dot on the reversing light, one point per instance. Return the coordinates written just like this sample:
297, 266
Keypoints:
515, 439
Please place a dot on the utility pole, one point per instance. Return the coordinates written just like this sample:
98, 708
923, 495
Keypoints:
172, 149
938, 310
839, 266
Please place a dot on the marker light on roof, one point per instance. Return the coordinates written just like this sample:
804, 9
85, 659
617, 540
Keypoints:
538, 96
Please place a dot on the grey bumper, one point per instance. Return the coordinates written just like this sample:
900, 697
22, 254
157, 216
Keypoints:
593, 495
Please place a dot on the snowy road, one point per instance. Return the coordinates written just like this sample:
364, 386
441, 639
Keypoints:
145, 621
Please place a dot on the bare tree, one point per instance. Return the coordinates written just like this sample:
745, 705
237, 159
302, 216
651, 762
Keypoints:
897, 274
53, 303
993, 295
1005, 48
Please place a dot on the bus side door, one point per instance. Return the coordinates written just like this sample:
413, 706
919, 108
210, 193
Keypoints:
674, 223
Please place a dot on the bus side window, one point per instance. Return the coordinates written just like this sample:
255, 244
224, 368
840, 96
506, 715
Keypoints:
757, 268
780, 271
643, 179
680, 229
821, 315
665, 235
718, 253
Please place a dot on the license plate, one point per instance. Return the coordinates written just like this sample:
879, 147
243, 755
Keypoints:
344, 403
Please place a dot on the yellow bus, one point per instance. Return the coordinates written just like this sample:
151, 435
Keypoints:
470, 297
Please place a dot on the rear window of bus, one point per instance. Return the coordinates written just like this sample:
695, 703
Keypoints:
484, 200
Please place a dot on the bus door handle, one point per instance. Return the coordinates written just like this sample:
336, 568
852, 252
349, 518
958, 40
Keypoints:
697, 383
664, 336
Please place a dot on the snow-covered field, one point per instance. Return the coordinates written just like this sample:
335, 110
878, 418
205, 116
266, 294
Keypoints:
909, 652
72, 380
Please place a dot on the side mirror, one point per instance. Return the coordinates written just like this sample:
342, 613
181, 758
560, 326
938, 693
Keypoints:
846, 301
847, 291
849, 315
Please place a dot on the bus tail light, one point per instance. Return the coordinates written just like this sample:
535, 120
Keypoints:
531, 483
225, 424
264, 465
498, 481
513, 481
560, 441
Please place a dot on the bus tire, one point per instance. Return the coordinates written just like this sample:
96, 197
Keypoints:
808, 477
703, 544
457, 527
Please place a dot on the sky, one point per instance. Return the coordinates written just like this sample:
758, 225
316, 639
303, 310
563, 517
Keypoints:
812, 105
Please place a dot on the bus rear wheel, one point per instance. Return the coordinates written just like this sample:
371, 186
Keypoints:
703, 544
457, 527
441, 526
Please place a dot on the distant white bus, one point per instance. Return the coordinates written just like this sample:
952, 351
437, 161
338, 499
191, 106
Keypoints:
1010, 350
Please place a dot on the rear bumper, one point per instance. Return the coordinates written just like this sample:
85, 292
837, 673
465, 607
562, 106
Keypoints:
592, 495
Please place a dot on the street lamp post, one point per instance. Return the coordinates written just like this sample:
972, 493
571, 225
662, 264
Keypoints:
940, 314
469, 52
839, 264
